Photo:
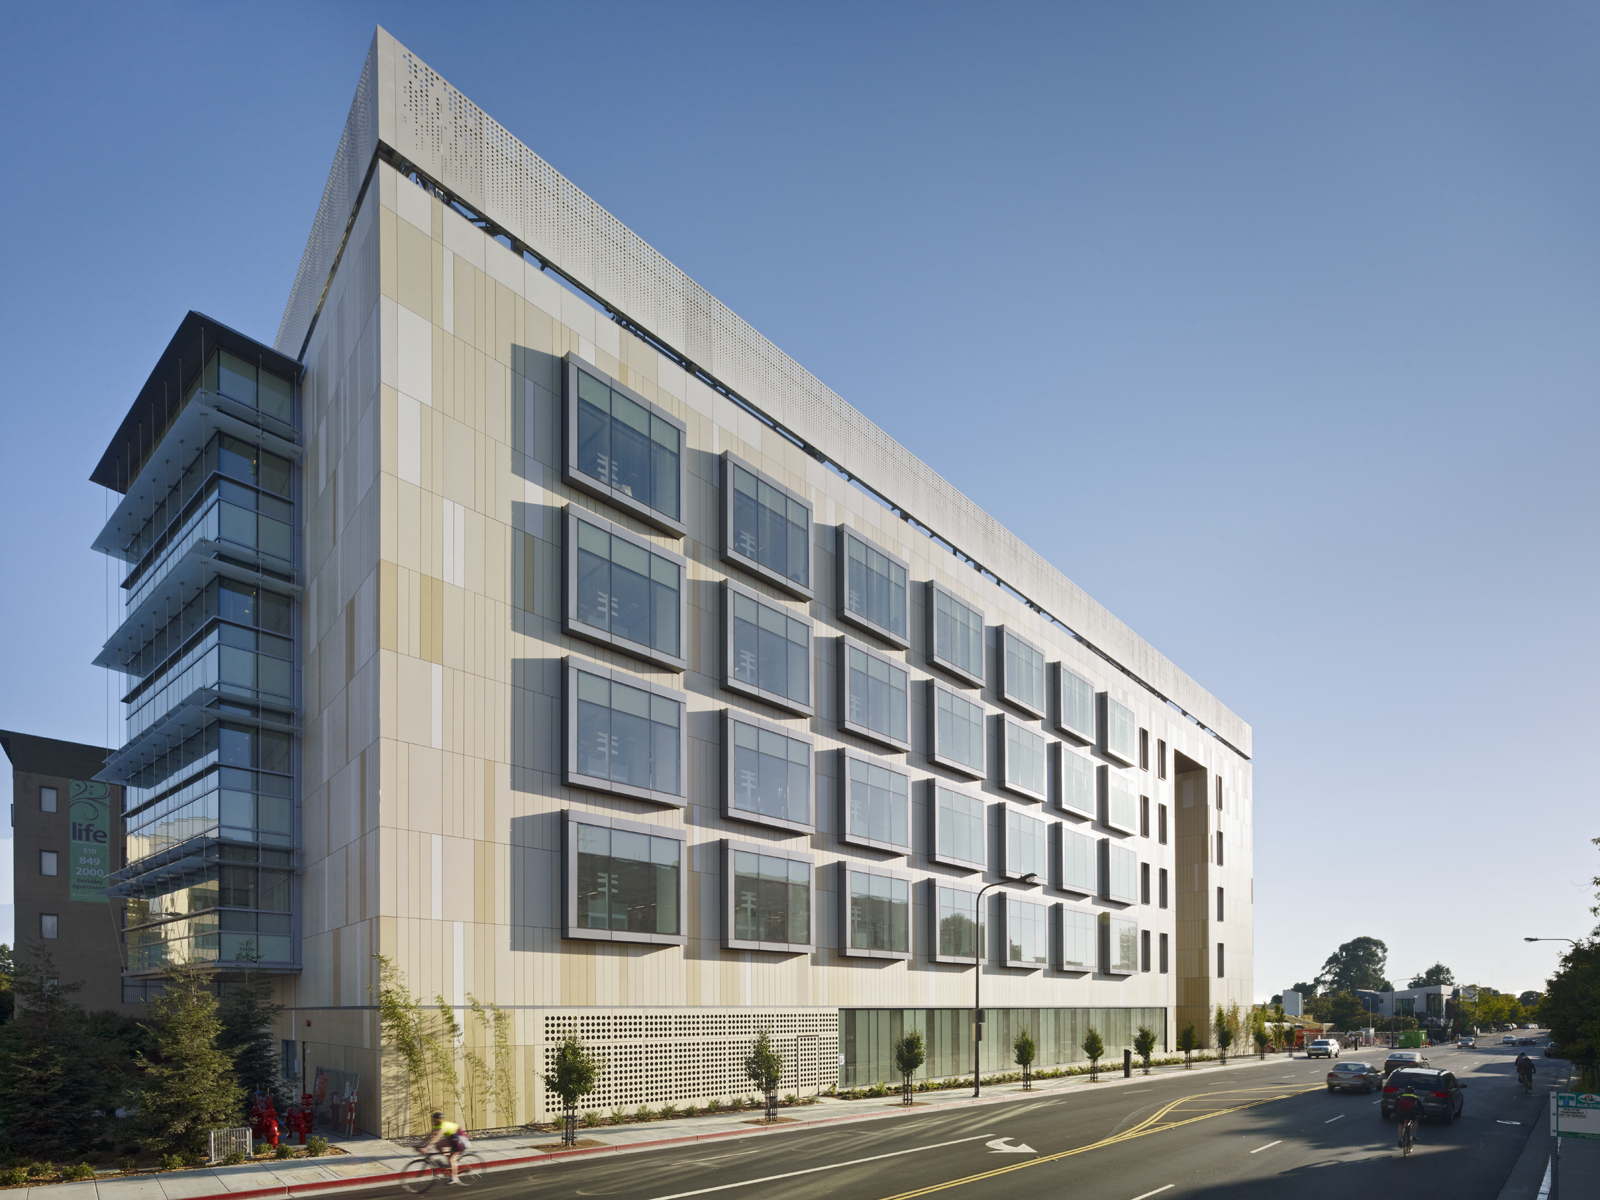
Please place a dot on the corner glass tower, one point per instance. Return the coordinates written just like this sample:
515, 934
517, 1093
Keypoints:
206, 471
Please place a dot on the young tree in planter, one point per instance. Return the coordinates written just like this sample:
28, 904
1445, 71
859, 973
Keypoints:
1224, 1034
192, 1089
764, 1068
1024, 1051
1093, 1048
1187, 1042
909, 1055
1144, 1044
1262, 1038
572, 1079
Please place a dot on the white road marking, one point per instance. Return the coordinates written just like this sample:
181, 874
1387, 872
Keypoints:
999, 1146
1331, 1120
1508, 1122
1268, 1146
1157, 1192
854, 1162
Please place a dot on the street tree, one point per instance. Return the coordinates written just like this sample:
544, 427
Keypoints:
764, 1067
909, 1055
1188, 1042
1093, 1048
1571, 1003
1344, 1011
572, 1077
1023, 1051
1222, 1032
1144, 1044
247, 1014
1355, 966
1436, 974
190, 1088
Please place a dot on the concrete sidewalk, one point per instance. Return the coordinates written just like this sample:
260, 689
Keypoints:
369, 1161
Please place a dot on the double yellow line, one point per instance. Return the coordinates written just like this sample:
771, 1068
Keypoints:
1155, 1123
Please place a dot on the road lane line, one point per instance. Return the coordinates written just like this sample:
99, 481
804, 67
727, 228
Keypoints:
1331, 1120
854, 1162
1157, 1192
1268, 1146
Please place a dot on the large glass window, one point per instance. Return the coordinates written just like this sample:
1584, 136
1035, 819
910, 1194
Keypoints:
769, 651
626, 445
627, 882
957, 635
1027, 847
625, 594
959, 923
770, 779
1119, 944
1122, 734
957, 732
768, 528
879, 920
1077, 938
1122, 802
877, 804
959, 830
874, 588
1077, 862
1077, 704
875, 702
771, 900
1077, 783
1027, 933
1022, 673
625, 737
1120, 866
1023, 759
241, 380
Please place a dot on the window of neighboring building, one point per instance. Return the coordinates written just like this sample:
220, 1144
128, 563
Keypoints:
768, 774
957, 734
767, 651
623, 592
766, 527
47, 799
959, 830
1077, 939
1161, 887
958, 924
1121, 732
1122, 804
874, 702
1161, 758
627, 736
1144, 950
1022, 754
1119, 944
1027, 933
956, 635
1163, 949
49, 926
1222, 961
1220, 917
877, 803
768, 897
627, 881
1021, 672
1161, 824
877, 918
1219, 847
1077, 784
1077, 862
872, 587
1027, 846
622, 448
1119, 872
1144, 883
48, 862
1077, 704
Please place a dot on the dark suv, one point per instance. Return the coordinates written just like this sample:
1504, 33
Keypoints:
1439, 1091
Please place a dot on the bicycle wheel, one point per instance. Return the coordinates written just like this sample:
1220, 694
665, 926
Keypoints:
418, 1175
469, 1168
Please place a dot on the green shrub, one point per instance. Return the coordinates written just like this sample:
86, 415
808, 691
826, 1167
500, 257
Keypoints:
284, 1150
713, 1106
642, 1113
13, 1177
591, 1119
668, 1111
618, 1116
316, 1147
38, 1170
233, 1158
689, 1110
77, 1171
790, 1099
127, 1163
172, 1162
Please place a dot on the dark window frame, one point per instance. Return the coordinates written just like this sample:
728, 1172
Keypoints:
978, 772
1003, 725
676, 527
1037, 711
1085, 737
571, 625
1012, 899
1161, 887
1144, 883
842, 569
866, 732
730, 589
1144, 951
1161, 824
1222, 961
728, 848
1162, 945
1144, 749
801, 591
974, 678
1144, 816
932, 787
1161, 758
572, 777
1219, 848
744, 816
846, 756
570, 820
845, 870
1071, 913
984, 926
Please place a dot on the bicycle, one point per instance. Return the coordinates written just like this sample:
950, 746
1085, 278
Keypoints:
1527, 1080
1407, 1135
422, 1172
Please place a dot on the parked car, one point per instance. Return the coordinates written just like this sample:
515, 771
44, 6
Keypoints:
1403, 1058
1525, 1041
1551, 1050
1323, 1048
1467, 1042
1354, 1077
1439, 1091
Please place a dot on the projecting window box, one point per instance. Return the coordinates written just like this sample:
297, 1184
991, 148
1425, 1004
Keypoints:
767, 899
1078, 860
1119, 873
874, 913
874, 803
873, 588
958, 833
1027, 933
874, 696
1119, 945
623, 735
621, 448
623, 592
1021, 673
1075, 939
1027, 846
1121, 730
1022, 758
766, 528
958, 927
1119, 801
766, 651
622, 881
1078, 795
955, 635
1075, 704
766, 774
956, 737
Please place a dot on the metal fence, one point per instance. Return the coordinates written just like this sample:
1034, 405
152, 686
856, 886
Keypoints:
229, 1141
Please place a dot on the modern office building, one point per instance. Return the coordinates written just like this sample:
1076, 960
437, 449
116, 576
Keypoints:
526, 618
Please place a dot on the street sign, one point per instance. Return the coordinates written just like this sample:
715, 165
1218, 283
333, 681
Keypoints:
1575, 1115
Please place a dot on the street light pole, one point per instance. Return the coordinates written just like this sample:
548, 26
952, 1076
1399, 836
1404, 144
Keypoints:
977, 977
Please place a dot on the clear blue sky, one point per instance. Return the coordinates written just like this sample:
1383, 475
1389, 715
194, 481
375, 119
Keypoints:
1273, 326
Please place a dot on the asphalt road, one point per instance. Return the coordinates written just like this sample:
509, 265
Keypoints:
1266, 1131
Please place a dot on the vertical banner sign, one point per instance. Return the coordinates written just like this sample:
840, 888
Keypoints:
90, 813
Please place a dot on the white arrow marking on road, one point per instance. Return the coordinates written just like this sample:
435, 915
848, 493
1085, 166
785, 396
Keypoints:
1268, 1146
998, 1146
1508, 1122
1157, 1192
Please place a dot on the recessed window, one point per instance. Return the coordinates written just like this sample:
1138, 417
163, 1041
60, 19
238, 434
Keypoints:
1021, 672
768, 775
768, 899
959, 837
1163, 949
1144, 750
957, 733
1122, 733
1027, 933
625, 735
622, 448
1119, 944
1144, 950
1219, 847
1161, 824
873, 703
1219, 905
766, 528
1027, 846
1077, 704
1219, 793
958, 925
1161, 887
1222, 961
877, 914
1077, 939
1119, 872
872, 587
1077, 784
1121, 801
1022, 753
1161, 758
48, 863
767, 651
627, 881
624, 593
49, 926
1144, 883
955, 634
47, 799
1144, 816
877, 803
1078, 872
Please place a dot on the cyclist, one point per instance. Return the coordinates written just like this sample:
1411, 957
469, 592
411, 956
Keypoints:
449, 1140
1525, 1070
1409, 1109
